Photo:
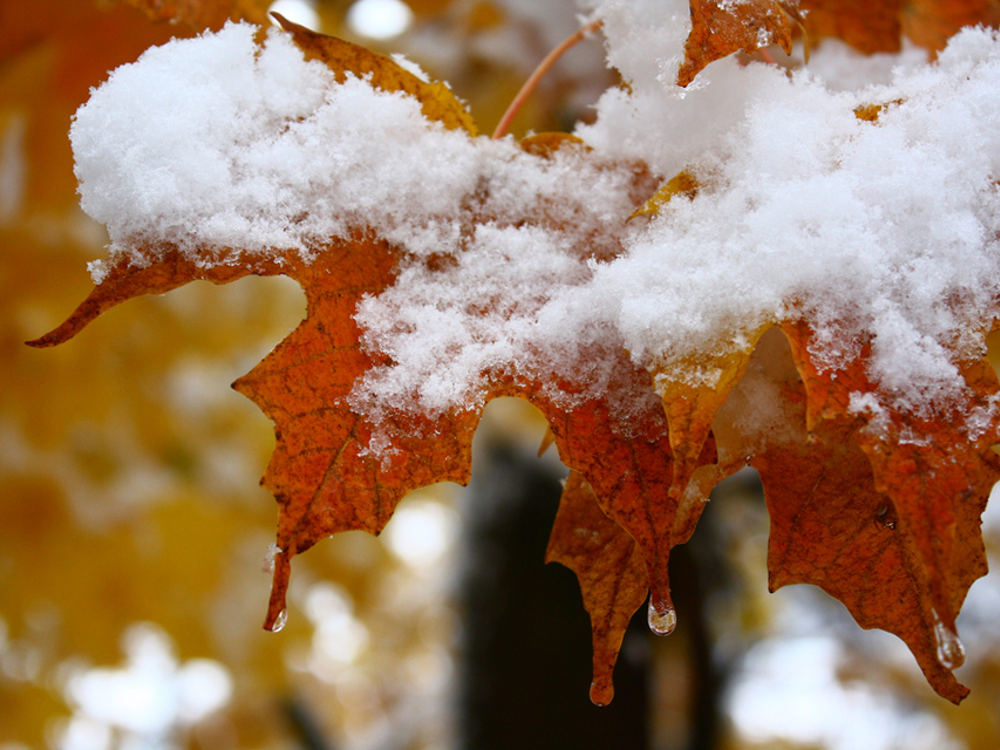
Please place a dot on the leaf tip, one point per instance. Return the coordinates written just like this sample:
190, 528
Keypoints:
41, 342
602, 692
547, 440
61, 333
283, 22
959, 694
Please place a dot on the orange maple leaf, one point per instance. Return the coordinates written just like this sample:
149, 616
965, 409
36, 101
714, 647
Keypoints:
611, 571
930, 478
864, 503
323, 473
867, 26
203, 14
719, 29
880, 26
889, 526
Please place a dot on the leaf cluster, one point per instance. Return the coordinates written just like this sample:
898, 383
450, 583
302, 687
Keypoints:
878, 506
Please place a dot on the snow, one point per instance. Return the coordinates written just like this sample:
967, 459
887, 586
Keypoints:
885, 230
213, 142
888, 228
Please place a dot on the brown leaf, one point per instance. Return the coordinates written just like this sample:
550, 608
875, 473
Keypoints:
873, 27
879, 508
867, 26
611, 572
325, 473
437, 101
204, 14
322, 473
831, 527
886, 506
930, 23
627, 465
719, 29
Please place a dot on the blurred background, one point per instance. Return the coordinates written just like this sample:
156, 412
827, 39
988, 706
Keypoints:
134, 535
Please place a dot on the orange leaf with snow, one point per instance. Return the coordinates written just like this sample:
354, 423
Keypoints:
443, 269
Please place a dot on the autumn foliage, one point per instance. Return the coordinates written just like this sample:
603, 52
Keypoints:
881, 510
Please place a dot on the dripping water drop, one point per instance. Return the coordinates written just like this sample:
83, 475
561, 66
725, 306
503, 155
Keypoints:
662, 619
279, 622
950, 651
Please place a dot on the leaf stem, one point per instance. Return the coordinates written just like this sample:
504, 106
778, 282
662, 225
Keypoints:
543, 68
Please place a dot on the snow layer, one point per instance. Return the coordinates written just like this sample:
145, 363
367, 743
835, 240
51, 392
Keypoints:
884, 229
214, 141
887, 229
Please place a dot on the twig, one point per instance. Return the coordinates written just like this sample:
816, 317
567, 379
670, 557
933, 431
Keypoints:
543, 68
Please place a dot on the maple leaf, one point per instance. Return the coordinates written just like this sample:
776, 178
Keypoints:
611, 571
848, 484
203, 14
867, 26
926, 483
889, 526
875, 503
880, 26
628, 467
719, 29
322, 473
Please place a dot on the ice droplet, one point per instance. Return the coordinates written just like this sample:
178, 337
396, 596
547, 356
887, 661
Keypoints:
279, 622
662, 620
950, 651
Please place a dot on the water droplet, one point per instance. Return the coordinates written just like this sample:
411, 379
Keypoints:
950, 651
662, 619
885, 517
279, 622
